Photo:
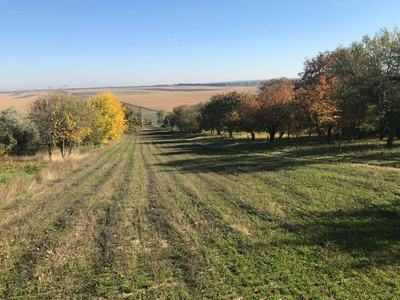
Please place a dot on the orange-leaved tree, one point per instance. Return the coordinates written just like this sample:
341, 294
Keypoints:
275, 97
314, 94
248, 113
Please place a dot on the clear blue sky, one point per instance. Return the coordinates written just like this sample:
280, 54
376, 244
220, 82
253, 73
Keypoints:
90, 43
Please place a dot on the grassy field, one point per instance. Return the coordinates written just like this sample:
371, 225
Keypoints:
160, 216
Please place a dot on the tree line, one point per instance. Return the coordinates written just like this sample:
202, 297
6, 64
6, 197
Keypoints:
61, 120
343, 92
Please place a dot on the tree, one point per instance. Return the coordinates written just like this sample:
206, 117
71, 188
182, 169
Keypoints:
74, 119
249, 112
132, 117
314, 94
372, 68
18, 132
161, 114
109, 123
222, 112
186, 118
43, 114
274, 98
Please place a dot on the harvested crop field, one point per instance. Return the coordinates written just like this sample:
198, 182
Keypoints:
154, 98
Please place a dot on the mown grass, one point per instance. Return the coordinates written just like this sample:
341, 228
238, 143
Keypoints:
19, 174
159, 216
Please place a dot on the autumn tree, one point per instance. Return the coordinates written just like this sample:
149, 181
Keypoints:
249, 112
314, 94
274, 97
109, 122
73, 124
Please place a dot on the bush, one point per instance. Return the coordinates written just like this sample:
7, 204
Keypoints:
18, 133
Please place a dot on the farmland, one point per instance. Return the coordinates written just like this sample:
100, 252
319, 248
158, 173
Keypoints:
154, 98
161, 215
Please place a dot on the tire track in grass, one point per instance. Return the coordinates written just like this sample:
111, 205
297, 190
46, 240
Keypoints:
210, 265
211, 215
83, 169
69, 190
86, 274
102, 260
23, 270
157, 215
193, 262
107, 240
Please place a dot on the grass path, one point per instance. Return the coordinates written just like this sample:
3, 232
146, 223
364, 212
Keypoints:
159, 217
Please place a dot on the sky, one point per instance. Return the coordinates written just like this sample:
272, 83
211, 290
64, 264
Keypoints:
98, 43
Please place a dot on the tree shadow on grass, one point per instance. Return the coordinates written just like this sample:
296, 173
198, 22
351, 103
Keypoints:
371, 235
236, 157
200, 158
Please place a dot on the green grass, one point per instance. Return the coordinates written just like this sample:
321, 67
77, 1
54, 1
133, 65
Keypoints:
160, 216
146, 113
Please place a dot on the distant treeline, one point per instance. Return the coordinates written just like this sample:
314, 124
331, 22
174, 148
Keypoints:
346, 91
227, 83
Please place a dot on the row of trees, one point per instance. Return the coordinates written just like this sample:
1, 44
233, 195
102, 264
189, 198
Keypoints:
63, 121
347, 90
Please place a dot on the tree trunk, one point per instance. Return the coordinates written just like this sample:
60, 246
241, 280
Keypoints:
340, 138
49, 149
309, 134
392, 129
71, 145
272, 135
329, 136
230, 133
349, 134
319, 134
63, 149
253, 136
382, 125
218, 132
281, 134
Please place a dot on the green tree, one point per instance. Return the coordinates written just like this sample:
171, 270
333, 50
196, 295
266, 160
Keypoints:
18, 132
161, 114
186, 118
222, 112
132, 116
43, 113
371, 70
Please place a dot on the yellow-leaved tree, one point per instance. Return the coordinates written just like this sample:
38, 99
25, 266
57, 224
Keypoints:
109, 123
